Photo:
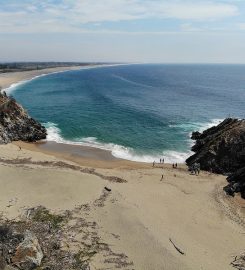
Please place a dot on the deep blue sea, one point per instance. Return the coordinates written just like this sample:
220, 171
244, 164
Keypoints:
139, 112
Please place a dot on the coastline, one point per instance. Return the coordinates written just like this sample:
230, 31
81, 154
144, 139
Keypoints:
10, 79
144, 208
83, 155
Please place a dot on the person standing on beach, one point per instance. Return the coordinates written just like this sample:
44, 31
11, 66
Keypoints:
153, 164
160, 161
161, 178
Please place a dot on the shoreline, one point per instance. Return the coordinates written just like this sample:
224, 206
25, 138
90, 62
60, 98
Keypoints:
84, 155
12, 79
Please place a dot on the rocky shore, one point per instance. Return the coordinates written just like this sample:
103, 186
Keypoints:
16, 124
221, 149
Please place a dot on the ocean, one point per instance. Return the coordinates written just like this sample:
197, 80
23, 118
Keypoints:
140, 112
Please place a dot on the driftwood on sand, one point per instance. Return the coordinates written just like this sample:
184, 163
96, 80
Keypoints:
178, 249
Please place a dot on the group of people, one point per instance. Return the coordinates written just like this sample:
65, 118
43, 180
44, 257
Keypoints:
161, 162
195, 168
174, 165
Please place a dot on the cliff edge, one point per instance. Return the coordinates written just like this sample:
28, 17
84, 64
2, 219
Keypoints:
221, 149
16, 124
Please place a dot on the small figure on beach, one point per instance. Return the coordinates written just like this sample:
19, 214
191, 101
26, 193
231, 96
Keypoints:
19, 148
161, 178
197, 168
160, 161
153, 164
175, 165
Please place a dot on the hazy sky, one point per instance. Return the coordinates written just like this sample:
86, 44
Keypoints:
123, 30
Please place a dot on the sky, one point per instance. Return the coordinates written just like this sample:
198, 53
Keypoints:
151, 31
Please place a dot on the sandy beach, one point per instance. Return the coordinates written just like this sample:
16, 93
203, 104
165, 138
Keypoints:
139, 216
146, 221
7, 79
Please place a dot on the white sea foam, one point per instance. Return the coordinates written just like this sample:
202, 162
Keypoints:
54, 133
118, 151
212, 123
195, 126
14, 86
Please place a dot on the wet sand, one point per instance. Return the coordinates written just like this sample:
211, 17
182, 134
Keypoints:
83, 155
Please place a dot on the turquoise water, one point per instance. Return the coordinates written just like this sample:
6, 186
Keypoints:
139, 112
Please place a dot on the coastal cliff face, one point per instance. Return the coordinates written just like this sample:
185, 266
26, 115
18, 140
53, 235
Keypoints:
221, 149
16, 124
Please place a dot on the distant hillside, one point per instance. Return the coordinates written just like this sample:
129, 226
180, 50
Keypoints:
27, 66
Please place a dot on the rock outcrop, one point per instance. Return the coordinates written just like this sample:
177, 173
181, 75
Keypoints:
16, 124
236, 183
221, 149
28, 253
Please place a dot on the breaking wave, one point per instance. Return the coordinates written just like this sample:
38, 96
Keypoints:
119, 151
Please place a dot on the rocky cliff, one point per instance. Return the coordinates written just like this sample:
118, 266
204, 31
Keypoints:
221, 149
16, 124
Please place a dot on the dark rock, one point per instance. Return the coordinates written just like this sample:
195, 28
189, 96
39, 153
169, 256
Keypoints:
2, 261
221, 149
236, 183
229, 190
16, 124
195, 135
239, 262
